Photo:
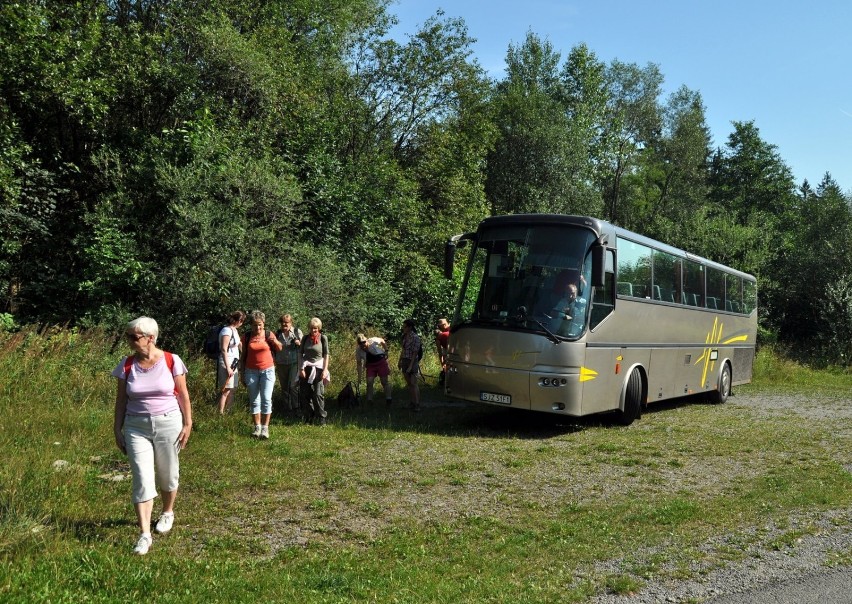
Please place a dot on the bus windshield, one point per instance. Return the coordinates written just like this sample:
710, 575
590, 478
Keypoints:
533, 277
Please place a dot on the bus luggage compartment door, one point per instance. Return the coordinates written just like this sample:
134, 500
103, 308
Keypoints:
492, 385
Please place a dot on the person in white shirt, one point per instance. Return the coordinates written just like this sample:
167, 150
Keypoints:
227, 376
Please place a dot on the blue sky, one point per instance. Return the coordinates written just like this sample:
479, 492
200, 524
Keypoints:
786, 65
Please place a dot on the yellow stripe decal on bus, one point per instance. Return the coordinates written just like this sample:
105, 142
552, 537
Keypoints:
587, 374
713, 337
735, 339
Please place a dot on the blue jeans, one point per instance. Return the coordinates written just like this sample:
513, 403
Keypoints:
259, 383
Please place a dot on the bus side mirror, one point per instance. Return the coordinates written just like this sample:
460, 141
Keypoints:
454, 242
449, 258
598, 265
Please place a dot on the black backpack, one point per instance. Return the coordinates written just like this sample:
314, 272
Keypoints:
420, 351
211, 342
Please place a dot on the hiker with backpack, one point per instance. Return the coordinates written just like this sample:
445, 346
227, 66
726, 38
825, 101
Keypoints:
313, 373
257, 367
371, 355
409, 361
153, 421
287, 362
228, 357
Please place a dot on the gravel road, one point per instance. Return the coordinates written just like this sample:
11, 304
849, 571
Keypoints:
813, 569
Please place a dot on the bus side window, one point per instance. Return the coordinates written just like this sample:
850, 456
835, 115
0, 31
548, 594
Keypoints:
634, 267
604, 299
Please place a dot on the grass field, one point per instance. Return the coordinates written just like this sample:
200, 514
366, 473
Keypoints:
459, 503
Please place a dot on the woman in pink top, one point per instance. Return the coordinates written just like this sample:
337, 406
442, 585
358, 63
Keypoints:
153, 420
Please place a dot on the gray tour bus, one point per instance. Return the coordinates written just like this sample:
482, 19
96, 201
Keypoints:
572, 315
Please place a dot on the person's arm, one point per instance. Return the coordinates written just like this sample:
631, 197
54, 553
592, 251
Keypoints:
224, 346
243, 357
360, 360
325, 357
120, 409
273, 343
185, 409
413, 356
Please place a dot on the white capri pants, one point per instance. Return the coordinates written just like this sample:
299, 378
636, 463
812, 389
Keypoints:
152, 450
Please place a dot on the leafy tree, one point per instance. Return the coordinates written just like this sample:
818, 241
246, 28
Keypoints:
674, 171
632, 123
813, 270
529, 168
583, 94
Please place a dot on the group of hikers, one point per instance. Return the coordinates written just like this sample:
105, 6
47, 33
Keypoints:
300, 363
153, 412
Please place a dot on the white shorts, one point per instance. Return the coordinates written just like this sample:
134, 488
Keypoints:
222, 376
152, 451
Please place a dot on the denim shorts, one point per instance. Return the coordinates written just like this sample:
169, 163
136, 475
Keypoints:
152, 450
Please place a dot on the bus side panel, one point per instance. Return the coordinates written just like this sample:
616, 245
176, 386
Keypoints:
602, 391
602, 381
742, 361
665, 373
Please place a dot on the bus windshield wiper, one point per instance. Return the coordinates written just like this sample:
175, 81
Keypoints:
522, 317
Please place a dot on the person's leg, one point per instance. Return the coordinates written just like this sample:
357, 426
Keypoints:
319, 399
413, 390
282, 372
225, 387
384, 372
387, 388
371, 379
138, 437
166, 430
143, 515
306, 393
295, 385
253, 387
267, 386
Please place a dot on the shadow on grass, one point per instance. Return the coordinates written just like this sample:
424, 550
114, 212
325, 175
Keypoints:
441, 415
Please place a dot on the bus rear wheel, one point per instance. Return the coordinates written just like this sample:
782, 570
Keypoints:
632, 400
723, 388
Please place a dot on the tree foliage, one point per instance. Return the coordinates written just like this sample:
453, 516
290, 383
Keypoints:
183, 159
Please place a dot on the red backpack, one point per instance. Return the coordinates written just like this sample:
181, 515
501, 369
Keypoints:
170, 363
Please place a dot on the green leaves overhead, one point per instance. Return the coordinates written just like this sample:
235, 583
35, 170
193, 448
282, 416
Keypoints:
184, 159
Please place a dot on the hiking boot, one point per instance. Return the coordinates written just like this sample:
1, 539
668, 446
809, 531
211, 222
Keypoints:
256, 432
264, 432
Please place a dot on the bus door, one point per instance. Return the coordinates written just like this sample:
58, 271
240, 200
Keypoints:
601, 377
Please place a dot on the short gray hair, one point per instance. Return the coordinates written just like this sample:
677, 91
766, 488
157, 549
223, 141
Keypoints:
144, 325
257, 315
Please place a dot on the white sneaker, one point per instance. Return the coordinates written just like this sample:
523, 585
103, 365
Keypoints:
256, 432
164, 524
264, 432
143, 545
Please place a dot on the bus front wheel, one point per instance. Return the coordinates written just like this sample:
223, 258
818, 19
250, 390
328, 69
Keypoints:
632, 400
723, 388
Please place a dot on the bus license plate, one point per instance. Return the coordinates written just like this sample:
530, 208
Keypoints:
490, 397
